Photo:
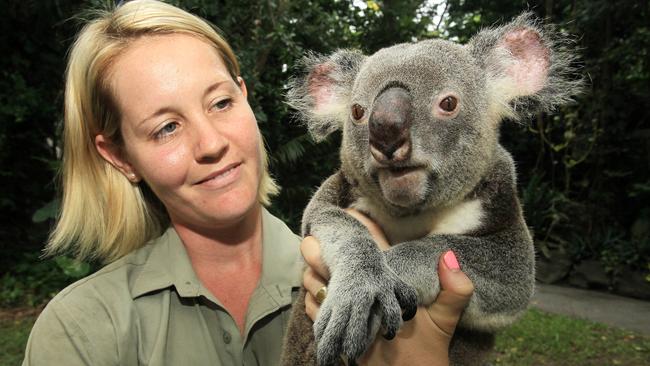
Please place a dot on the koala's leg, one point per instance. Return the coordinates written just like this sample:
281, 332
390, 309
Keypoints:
298, 346
470, 348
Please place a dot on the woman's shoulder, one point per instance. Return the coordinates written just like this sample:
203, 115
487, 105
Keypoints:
111, 282
83, 321
106, 295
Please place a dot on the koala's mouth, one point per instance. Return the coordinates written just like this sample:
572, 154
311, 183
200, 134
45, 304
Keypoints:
403, 186
397, 172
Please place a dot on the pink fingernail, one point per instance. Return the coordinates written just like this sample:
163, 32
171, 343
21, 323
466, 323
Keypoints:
451, 261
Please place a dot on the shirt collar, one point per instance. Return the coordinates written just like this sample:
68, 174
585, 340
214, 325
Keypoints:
282, 264
169, 265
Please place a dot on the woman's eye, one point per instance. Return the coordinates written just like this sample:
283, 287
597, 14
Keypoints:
166, 130
222, 104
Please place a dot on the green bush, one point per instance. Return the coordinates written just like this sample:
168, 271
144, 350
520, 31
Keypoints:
34, 280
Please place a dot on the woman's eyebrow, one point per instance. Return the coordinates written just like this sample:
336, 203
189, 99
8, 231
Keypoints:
214, 87
157, 113
164, 110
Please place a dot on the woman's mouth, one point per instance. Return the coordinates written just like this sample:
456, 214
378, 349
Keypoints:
222, 177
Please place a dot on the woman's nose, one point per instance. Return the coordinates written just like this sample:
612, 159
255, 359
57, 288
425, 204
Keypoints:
210, 144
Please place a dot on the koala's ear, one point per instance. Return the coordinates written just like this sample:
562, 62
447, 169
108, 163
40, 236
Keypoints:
528, 66
321, 95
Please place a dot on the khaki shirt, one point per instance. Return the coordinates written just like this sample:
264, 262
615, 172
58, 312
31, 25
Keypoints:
149, 308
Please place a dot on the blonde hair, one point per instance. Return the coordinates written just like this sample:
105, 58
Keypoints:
103, 215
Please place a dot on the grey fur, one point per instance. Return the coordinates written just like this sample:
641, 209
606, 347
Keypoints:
460, 195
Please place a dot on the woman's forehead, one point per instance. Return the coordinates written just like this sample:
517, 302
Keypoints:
163, 62
158, 69
169, 53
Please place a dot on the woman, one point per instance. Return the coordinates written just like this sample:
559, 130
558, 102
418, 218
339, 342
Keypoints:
165, 176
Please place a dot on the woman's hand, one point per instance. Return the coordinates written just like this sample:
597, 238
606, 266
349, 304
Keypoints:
423, 340
315, 276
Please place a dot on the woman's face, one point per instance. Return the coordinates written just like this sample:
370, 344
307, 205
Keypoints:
188, 130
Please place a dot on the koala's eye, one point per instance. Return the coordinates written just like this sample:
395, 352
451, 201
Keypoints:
357, 112
449, 103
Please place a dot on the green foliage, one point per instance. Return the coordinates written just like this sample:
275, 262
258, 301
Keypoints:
13, 339
47, 212
545, 210
35, 37
34, 280
72, 268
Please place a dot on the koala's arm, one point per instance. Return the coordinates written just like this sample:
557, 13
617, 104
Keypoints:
325, 219
501, 266
498, 257
363, 291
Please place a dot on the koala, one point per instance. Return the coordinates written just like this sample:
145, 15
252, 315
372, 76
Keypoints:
420, 155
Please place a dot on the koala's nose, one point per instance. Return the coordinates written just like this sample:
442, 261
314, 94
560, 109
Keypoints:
389, 126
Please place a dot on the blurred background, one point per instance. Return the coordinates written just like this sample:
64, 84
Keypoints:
583, 171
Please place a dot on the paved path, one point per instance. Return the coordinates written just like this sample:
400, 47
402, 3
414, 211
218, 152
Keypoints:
622, 312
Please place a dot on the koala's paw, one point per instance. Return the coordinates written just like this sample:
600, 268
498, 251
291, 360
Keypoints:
416, 270
355, 307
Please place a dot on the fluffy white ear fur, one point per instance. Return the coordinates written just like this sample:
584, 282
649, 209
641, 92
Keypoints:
529, 62
322, 88
517, 66
321, 96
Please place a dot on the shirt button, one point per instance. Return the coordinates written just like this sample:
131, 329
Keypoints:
227, 337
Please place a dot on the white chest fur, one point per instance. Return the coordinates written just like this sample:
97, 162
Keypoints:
458, 219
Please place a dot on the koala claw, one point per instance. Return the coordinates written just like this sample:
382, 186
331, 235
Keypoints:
389, 335
354, 309
409, 301
409, 314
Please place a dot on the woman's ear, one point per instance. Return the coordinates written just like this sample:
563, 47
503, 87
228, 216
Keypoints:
114, 155
242, 86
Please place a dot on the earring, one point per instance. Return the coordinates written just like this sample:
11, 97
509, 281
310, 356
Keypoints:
133, 178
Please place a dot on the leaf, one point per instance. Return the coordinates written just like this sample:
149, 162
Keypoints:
72, 267
293, 150
544, 249
260, 116
49, 211
373, 5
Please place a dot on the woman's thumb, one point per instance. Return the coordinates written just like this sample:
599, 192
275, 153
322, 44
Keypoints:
456, 290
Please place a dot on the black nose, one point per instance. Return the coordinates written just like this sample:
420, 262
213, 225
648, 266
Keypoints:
389, 125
